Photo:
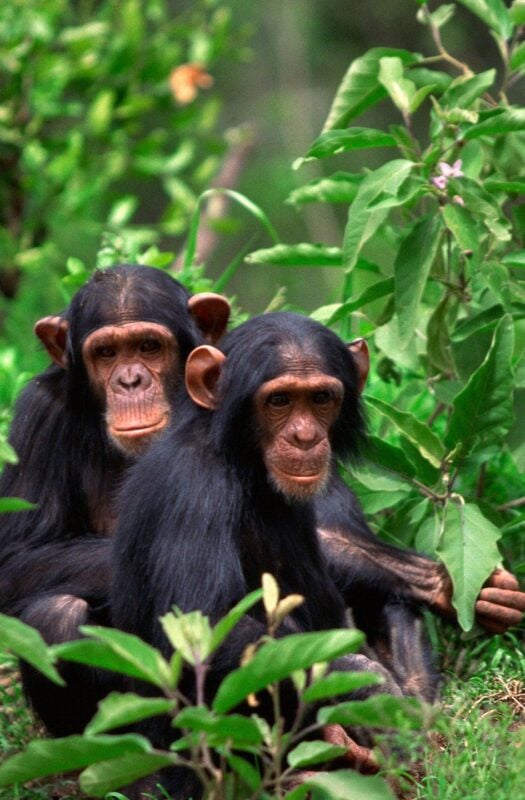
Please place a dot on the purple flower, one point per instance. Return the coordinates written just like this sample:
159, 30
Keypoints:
458, 199
451, 170
440, 182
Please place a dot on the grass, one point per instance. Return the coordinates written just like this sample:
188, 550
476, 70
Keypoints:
472, 753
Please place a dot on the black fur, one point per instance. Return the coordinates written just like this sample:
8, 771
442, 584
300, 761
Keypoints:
201, 535
69, 468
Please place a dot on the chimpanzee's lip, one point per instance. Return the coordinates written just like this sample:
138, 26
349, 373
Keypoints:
305, 476
139, 430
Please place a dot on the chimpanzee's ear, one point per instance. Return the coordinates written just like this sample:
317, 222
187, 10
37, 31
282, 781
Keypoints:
211, 313
361, 356
203, 368
52, 332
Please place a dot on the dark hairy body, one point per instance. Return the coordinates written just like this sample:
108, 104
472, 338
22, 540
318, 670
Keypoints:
74, 453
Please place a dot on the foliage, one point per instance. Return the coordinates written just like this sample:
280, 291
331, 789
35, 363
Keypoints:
107, 123
232, 755
432, 275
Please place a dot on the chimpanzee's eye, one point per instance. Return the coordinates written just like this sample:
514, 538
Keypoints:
278, 399
105, 351
321, 398
150, 346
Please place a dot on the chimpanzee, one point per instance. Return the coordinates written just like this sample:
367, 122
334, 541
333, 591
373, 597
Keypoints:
54, 569
119, 351
236, 475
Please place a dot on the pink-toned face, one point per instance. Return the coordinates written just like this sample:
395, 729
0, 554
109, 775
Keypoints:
129, 367
295, 413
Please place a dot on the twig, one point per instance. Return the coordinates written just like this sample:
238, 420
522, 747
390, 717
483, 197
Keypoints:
227, 178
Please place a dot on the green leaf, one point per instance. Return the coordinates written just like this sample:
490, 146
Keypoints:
339, 683
298, 255
9, 504
7, 453
118, 651
400, 89
50, 756
441, 15
426, 441
279, 658
517, 58
389, 457
494, 13
438, 341
344, 784
517, 12
485, 320
26, 643
380, 710
237, 729
464, 90
341, 141
123, 210
411, 270
228, 622
308, 753
462, 225
483, 409
246, 771
362, 221
514, 259
502, 186
360, 88
467, 547
117, 710
337, 188
189, 634
505, 122
339, 311
99, 779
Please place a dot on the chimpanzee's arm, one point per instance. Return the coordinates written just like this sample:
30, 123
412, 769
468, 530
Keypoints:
361, 562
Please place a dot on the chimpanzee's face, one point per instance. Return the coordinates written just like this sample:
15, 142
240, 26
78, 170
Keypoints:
129, 367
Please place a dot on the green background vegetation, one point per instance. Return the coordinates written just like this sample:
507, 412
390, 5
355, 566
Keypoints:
100, 162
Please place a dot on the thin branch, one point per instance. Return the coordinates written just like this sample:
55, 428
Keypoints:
228, 177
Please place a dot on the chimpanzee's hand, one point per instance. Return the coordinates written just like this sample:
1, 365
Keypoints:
501, 603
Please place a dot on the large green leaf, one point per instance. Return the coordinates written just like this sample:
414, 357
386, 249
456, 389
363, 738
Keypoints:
117, 710
363, 221
118, 651
237, 729
494, 13
298, 255
380, 710
341, 187
99, 779
340, 141
360, 87
482, 411
336, 683
25, 642
226, 623
343, 784
462, 225
10, 504
308, 753
279, 658
506, 122
467, 546
51, 756
467, 88
426, 441
329, 315
411, 270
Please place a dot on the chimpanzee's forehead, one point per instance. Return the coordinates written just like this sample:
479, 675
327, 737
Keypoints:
297, 359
